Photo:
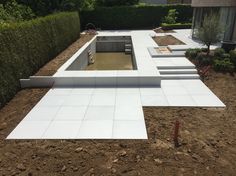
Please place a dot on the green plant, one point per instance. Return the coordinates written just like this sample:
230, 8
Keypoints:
27, 46
233, 57
211, 30
11, 11
219, 52
171, 18
204, 50
166, 26
224, 65
132, 17
192, 53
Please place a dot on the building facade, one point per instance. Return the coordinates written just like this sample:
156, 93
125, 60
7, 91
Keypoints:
226, 9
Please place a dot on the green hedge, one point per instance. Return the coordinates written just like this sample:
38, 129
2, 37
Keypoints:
27, 46
133, 17
176, 26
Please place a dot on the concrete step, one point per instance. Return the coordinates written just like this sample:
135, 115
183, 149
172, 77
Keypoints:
128, 51
179, 76
178, 71
128, 42
176, 67
128, 46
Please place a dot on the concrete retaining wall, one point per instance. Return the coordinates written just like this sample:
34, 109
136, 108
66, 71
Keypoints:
82, 61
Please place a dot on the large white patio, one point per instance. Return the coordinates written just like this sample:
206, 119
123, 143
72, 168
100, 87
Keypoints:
109, 104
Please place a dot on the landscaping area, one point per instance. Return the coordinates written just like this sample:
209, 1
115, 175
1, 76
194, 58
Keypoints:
167, 40
207, 137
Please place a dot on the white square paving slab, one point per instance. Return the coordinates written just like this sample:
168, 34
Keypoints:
77, 100
52, 101
106, 90
105, 99
127, 90
128, 113
207, 100
83, 91
99, 129
62, 130
29, 130
71, 113
174, 90
42, 113
151, 91
100, 113
180, 100
129, 129
128, 100
59, 91
154, 100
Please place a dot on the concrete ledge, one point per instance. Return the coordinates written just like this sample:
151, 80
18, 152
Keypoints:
120, 81
175, 53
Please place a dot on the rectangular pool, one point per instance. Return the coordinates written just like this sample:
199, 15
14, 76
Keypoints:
106, 53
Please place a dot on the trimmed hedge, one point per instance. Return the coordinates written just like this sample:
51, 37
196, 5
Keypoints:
166, 26
27, 46
133, 17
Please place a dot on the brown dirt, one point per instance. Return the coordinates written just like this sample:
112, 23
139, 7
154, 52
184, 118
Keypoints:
160, 30
52, 66
167, 40
207, 136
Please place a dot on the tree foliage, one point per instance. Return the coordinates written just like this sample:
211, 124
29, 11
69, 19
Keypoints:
171, 17
211, 30
11, 11
109, 3
44, 7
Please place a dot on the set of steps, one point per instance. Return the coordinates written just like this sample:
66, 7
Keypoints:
178, 73
128, 47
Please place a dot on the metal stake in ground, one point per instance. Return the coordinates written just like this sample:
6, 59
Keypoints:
176, 133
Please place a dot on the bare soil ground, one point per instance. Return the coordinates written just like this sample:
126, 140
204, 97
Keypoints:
52, 66
167, 40
207, 136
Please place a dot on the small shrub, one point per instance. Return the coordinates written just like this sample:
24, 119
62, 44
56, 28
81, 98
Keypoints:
192, 53
233, 57
199, 57
206, 60
166, 26
204, 50
219, 52
203, 59
223, 65
226, 55
171, 18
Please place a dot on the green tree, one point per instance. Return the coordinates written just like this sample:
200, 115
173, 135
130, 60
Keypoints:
210, 32
11, 11
171, 17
